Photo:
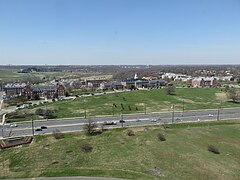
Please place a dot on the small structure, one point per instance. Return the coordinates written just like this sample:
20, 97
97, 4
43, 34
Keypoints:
15, 141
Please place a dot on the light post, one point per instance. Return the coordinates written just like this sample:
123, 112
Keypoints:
172, 113
85, 109
183, 106
145, 108
218, 113
121, 118
113, 109
32, 127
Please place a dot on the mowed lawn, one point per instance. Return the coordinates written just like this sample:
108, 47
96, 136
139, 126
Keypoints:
183, 155
135, 102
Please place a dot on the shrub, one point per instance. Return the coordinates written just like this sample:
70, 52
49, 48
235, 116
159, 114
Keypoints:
213, 149
161, 137
86, 148
130, 132
57, 134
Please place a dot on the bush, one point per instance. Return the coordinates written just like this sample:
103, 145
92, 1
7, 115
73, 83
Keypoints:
86, 148
45, 113
57, 134
130, 132
161, 137
213, 149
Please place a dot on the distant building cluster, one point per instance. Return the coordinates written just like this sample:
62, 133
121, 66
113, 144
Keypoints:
59, 88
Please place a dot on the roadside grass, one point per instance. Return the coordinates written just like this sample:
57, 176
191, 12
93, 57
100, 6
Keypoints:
135, 101
183, 155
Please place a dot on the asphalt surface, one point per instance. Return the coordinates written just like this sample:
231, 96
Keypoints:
71, 125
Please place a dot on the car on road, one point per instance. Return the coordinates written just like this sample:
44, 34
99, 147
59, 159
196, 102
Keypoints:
210, 115
38, 129
153, 120
178, 119
110, 123
13, 125
122, 121
43, 127
138, 120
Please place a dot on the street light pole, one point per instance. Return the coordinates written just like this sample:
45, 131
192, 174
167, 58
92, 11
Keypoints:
172, 114
183, 106
218, 113
145, 108
113, 109
32, 127
85, 111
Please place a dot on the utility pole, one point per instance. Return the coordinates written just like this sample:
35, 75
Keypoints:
85, 111
218, 113
183, 106
121, 118
145, 108
32, 127
172, 114
113, 109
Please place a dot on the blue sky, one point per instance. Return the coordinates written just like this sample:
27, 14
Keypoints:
119, 32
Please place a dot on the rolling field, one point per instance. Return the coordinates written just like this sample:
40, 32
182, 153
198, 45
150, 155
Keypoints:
136, 101
11, 74
183, 155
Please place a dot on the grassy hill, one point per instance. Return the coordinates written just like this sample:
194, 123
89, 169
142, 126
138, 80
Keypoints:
183, 155
135, 102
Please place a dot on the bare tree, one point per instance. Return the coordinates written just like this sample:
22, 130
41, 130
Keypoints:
90, 127
233, 95
170, 90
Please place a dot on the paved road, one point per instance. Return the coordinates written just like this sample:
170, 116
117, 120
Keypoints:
25, 128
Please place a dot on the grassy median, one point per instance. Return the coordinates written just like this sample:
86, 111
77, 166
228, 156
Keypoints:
141, 155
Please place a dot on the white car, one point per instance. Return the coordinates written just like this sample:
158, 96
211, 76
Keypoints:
210, 115
13, 125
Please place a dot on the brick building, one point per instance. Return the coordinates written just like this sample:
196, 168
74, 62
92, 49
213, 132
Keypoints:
51, 91
204, 82
14, 89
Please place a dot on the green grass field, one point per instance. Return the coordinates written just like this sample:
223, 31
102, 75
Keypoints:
134, 102
183, 155
12, 74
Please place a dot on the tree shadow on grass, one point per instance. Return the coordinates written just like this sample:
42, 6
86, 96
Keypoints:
234, 102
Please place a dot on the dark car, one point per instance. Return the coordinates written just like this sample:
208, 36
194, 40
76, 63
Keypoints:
122, 121
43, 127
38, 129
178, 119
